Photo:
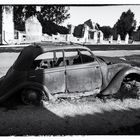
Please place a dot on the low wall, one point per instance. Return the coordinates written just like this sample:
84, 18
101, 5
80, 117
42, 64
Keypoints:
93, 47
114, 47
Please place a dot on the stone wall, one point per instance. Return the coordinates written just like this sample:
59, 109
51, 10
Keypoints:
136, 36
7, 25
33, 30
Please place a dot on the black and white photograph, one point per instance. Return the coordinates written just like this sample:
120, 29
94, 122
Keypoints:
69, 69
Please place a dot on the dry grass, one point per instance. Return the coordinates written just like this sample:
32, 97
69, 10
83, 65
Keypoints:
71, 118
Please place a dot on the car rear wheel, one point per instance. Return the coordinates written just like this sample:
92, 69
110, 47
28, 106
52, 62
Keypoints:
32, 97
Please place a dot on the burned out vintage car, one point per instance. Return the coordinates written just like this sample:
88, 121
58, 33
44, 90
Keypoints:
51, 72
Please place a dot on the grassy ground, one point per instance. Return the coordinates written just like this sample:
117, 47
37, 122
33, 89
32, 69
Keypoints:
77, 117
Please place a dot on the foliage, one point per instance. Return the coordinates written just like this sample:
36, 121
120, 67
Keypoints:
126, 24
138, 28
107, 31
52, 28
56, 14
49, 16
19, 18
78, 30
89, 23
98, 26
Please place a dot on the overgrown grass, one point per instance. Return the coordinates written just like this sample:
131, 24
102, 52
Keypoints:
72, 118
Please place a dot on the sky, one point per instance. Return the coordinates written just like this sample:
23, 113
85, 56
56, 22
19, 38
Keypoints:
103, 15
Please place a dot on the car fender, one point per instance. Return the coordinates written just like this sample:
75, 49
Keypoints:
117, 80
21, 86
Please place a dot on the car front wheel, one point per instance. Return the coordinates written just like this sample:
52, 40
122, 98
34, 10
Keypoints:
130, 89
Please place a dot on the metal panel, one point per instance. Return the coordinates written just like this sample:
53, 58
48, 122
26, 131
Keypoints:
53, 79
83, 77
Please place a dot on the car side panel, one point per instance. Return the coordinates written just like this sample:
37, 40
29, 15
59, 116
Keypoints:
11, 80
109, 72
117, 80
114, 69
53, 79
83, 77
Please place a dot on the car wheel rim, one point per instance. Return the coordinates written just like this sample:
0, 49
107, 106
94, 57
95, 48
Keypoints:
30, 97
131, 88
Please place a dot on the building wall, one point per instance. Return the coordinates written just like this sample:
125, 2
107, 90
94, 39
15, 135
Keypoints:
136, 36
7, 25
0, 24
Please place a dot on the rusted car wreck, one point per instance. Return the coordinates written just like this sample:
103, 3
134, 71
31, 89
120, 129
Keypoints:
62, 71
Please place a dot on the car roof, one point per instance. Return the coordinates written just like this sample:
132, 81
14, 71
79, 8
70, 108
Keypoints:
29, 53
57, 46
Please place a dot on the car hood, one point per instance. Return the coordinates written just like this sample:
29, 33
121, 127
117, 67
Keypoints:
110, 61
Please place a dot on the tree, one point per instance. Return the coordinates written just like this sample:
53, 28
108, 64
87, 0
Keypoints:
89, 23
107, 30
19, 18
78, 30
98, 26
126, 24
138, 28
55, 14
52, 28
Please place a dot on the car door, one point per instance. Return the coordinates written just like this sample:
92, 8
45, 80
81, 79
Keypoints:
50, 71
83, 74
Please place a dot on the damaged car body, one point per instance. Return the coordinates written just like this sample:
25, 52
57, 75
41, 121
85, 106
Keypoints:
46, 72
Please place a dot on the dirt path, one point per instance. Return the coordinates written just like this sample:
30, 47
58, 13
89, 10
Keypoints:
117, 53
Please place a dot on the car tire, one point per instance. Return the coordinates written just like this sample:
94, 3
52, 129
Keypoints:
130, 89
32, 97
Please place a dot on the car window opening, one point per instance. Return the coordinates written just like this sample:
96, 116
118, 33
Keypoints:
56, 59
45, 64
74, 57
48, 60
86, 56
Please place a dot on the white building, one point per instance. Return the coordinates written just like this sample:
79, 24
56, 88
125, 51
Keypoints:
7, 24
